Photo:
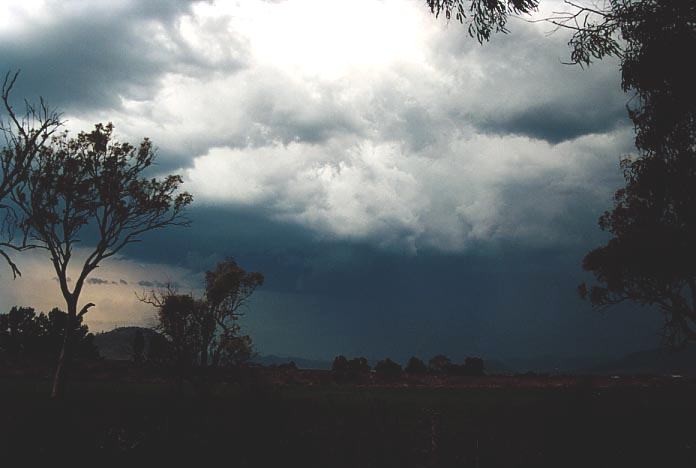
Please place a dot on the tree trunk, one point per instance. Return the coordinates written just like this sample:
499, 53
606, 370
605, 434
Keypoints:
65, 357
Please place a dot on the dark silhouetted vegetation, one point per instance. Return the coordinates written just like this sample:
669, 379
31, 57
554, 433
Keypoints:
388, 369
350, 370
439, 364
24, 334
340, 364
415, 366
651, 257
205, 332
358, 365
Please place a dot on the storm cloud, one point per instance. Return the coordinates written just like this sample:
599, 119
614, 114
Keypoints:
391, 170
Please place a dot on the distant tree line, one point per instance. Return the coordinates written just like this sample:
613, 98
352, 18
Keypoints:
347, 369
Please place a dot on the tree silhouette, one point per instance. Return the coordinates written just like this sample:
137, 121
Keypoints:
206, 331
388, 369
358, 365
25, 137
438, 364
91, 184
178, 321
23, 333
227, 291
650, 258
416, 366
340, 364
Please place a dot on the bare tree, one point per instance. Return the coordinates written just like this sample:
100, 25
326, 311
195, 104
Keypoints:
26, 136
92, 184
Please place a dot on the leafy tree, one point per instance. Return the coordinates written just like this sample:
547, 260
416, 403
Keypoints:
340, 364
358, 365
416, 366
227, 291
206, 331
20, 332
92, 185
25, 137
177, 321
438, 364
650, 257
388, 369
234, 349
23, 333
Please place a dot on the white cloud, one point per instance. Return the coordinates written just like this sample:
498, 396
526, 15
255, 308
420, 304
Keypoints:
479, 188
373, 120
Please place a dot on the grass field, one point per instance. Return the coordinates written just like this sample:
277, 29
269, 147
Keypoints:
329, 425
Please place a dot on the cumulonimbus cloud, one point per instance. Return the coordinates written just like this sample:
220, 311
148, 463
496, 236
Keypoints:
407, 134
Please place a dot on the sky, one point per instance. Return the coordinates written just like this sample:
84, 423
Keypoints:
403, 189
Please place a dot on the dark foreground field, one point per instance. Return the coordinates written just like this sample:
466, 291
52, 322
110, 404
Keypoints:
578, 424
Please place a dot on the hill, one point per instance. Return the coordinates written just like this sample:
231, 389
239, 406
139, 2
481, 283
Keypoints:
117, 344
